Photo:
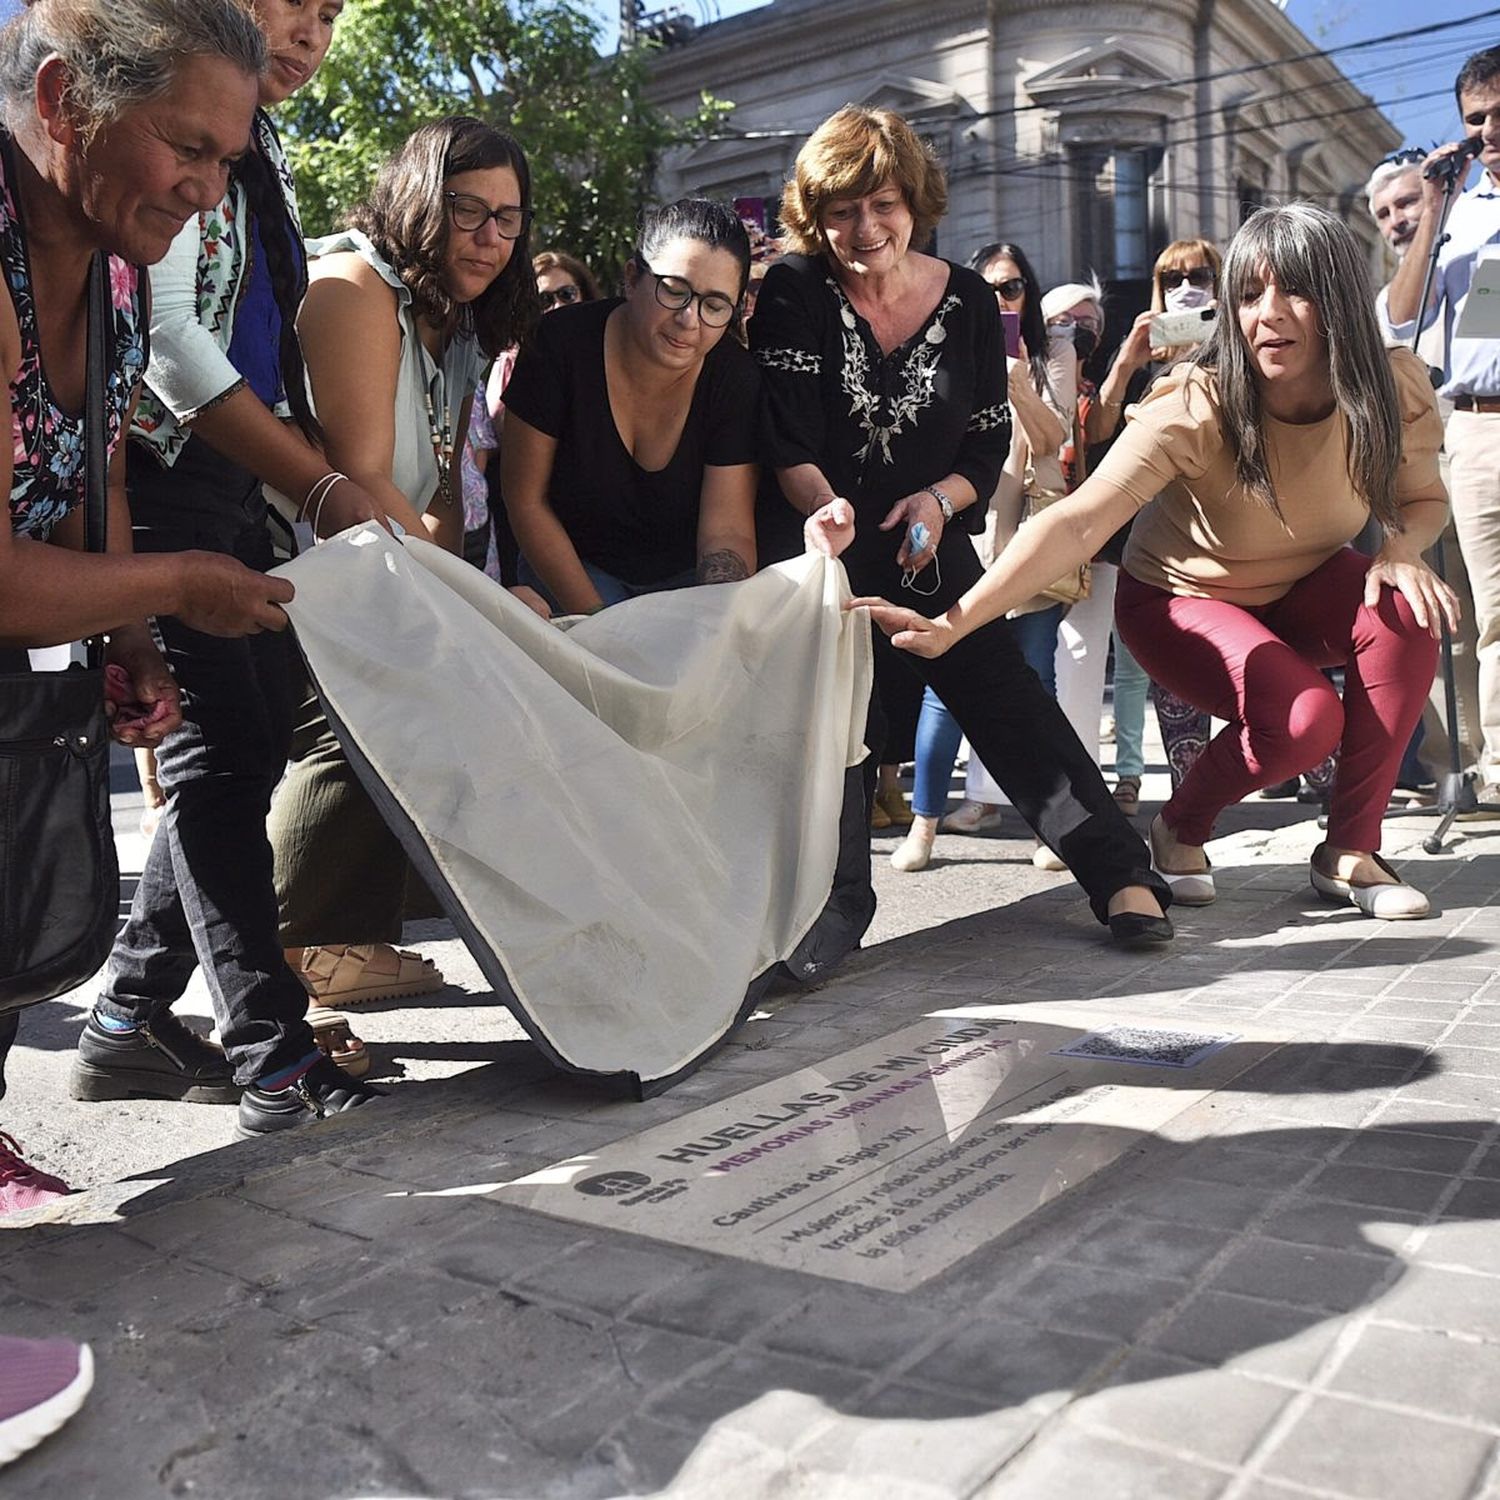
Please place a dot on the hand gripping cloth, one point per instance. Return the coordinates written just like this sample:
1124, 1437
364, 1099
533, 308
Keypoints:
629, 821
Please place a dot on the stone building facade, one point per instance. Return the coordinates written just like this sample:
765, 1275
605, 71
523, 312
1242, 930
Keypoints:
1091, 134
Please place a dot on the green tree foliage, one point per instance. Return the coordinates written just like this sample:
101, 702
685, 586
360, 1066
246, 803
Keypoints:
529, 66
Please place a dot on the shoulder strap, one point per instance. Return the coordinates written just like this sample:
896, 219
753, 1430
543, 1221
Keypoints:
95, 439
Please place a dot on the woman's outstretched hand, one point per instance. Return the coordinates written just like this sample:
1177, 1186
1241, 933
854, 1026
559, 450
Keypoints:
1431, 600
908, 630
830, 528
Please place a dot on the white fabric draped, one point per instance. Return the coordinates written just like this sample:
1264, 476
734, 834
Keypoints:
634, 816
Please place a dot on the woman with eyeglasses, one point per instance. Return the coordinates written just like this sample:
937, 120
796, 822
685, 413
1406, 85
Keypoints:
1185, 279
403, 309
887, 418
628, 460
1248, 472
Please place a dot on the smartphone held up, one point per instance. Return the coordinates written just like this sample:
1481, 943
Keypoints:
1170, 330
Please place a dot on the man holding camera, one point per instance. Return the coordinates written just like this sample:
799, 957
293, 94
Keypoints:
1471, 366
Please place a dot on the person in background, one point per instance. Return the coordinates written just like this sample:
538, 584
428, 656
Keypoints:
629, 447
1471, 371
92, 95
403, 308
1252, 469
1185, 279
562, 281
886, 412
1039, 424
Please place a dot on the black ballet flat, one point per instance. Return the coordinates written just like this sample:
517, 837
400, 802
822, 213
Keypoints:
1134, 930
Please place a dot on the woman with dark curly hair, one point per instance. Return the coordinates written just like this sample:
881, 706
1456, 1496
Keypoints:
432, 278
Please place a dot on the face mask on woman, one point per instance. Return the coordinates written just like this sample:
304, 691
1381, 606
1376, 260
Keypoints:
1185, 297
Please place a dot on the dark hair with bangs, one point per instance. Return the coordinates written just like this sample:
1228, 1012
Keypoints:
1311, 254
852, 153
406, 219
1033, 324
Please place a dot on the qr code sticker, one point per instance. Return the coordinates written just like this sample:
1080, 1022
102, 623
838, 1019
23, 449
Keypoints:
1148, 1045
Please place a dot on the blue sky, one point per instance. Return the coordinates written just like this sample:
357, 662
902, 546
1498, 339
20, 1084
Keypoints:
1395, 75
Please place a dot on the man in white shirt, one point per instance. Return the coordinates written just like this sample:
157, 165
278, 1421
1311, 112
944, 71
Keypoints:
1471, 371
1395, 199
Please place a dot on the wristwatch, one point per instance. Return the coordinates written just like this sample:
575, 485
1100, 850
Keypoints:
944, 503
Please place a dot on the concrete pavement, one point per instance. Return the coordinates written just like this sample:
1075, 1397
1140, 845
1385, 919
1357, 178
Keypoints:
1292, 1289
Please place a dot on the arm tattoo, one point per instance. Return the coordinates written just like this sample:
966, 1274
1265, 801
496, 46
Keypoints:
722, 567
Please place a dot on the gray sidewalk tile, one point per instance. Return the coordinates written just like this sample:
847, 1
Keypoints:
1079, 1464
1095, 1300
1129, 1244
1445, 1301
1378, 1187
1250, 1334
1011, 1362
1365, 1452
1428, 1372
1302, 1275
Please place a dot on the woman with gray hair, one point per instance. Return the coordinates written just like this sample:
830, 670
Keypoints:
1266, 456
120, 117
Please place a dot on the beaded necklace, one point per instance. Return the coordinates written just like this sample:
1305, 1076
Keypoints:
442, 444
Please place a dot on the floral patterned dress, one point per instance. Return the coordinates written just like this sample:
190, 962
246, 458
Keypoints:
47, 478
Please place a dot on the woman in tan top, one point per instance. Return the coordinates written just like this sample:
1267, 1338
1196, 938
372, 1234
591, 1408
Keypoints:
1266, 457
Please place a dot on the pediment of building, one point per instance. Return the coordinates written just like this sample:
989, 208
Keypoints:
907, 94
1097, 74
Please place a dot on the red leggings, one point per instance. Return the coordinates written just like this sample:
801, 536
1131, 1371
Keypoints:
1258, 668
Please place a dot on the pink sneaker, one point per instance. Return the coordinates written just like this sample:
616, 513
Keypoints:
21, 1184
42, 1383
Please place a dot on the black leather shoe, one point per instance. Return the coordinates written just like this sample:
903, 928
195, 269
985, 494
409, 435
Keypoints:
1134, 929
163, 1059
1281, 790
321, 1091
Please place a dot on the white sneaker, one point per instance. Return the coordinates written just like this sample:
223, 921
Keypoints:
971, 817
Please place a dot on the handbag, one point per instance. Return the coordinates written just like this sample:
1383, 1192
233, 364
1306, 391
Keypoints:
59, 877
1072, 587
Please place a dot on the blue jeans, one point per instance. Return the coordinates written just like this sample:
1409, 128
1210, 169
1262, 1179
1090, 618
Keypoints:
1131, 687
612, 590
938, 734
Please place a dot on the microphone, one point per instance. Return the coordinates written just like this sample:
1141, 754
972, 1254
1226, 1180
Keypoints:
1452, 165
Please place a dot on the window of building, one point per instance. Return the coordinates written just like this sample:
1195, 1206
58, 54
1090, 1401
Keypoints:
1111, 210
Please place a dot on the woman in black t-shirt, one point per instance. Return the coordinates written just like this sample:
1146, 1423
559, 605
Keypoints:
629, 454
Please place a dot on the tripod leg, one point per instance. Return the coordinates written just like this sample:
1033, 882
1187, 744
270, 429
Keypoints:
1456, 794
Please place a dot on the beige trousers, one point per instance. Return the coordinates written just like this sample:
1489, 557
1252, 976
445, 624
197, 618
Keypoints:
1473, 444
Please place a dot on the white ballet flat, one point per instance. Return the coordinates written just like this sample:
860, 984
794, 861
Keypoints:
1193, 889
1390, 903
914, 852
971, 816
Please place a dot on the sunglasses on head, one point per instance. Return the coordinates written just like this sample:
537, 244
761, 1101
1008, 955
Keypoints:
1407, 156
1011, 289
560, 297
1201, 277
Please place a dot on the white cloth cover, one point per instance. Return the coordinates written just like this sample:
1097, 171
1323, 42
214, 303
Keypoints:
634, 817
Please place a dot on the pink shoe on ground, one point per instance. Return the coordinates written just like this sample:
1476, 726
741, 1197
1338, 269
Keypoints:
42, 1383
23, 1185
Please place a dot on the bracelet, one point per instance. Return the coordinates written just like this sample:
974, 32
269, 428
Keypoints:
944, 503
321, 490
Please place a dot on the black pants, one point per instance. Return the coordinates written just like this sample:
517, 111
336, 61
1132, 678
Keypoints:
206, 896
1013, 724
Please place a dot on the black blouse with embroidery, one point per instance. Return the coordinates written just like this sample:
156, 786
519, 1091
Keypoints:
880, 426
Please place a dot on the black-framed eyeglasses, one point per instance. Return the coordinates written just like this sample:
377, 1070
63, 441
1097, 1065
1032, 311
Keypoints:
1011, 289
1407, 156
714, 308
1202, 277
561, 296
469, 213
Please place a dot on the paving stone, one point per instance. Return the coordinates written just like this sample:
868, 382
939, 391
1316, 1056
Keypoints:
1472, 1245
870, 1331
1407, 1148
737, 1382
724, 1301
499, 1246
1475, 1200
1431, 1372
1216, 1415
1302, 1275
1307, 1220
75, 1265
1087, 1299
607, 1274
1207, 1204
1010, 1362
1248, 1334
1082, 1464
1378, 1187
1130, 1244
1446, 1301
1365, 1452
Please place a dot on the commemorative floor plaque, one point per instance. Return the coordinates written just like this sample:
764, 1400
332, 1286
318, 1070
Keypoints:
890, 1162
